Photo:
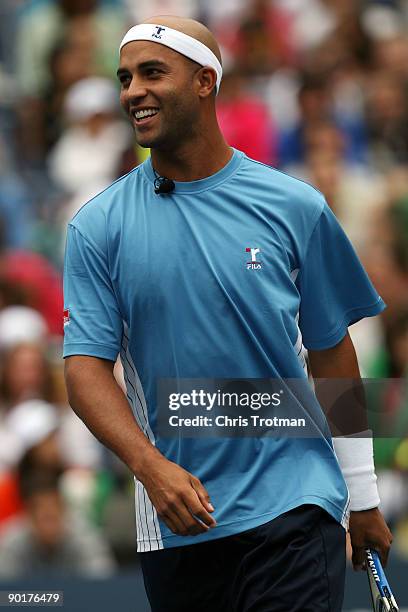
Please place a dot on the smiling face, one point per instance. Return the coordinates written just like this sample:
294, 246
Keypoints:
159, 94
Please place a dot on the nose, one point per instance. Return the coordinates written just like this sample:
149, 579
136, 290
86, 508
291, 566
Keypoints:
136, 89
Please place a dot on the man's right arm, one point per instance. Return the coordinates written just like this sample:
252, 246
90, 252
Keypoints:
179, 497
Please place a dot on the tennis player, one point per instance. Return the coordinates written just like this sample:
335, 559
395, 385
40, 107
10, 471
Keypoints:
202, 263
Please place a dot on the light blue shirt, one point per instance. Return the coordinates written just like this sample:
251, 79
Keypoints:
226, 277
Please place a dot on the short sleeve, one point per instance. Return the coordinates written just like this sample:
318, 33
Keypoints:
334, 288
92, 321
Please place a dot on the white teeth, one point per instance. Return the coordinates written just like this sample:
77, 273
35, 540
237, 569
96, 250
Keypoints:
147, 112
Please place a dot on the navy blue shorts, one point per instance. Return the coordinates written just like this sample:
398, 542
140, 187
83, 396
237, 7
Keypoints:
294, 563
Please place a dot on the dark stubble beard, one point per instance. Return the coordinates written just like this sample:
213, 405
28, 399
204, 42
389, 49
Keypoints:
179, 120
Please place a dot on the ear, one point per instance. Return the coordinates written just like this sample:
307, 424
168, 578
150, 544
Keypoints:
206, 81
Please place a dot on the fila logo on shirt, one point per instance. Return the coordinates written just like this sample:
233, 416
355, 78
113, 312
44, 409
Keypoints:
157, 33
254, 264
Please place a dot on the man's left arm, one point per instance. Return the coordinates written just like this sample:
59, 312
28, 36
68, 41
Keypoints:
367, 526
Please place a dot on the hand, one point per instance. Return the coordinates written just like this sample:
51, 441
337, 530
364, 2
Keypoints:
179, 497
368, 529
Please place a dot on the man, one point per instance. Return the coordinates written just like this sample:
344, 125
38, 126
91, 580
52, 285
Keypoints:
157, 270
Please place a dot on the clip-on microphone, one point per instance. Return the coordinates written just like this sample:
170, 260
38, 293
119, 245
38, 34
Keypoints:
163, 185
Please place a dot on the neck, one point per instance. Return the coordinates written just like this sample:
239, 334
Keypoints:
192, 161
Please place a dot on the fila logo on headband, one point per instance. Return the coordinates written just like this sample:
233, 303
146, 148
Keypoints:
157, 34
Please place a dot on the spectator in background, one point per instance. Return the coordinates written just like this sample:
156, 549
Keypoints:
244, 119
38, 283
355, 193
91, 29
383, 265
20, 325
38, 435
390, 55
260, 37
27, 438
30, 280
87, 155
47, 540
25, 374
43, 24
33, 424
27, 425
388, 410
392, 360
16, 205
398, 215
315, 106
387, 120
312, 21
387, 257
350, 29
70, 61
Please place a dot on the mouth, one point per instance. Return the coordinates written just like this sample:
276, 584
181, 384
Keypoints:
144, 116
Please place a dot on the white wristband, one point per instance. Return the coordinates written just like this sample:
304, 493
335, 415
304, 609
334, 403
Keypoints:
356, 459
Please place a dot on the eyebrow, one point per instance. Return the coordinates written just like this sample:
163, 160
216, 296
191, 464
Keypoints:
143, 66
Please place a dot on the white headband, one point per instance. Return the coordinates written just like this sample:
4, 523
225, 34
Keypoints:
178, 41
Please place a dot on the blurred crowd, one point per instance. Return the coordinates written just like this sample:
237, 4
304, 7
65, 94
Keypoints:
317, 88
